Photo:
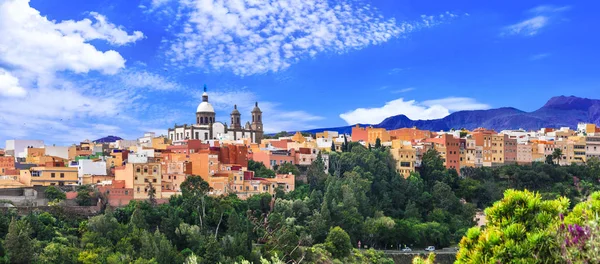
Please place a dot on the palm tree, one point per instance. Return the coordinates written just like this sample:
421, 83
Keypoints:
557, 155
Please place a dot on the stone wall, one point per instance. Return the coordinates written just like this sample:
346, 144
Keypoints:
401, 258
75, 211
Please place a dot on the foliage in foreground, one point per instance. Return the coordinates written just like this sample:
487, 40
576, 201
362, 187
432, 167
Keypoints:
524, 228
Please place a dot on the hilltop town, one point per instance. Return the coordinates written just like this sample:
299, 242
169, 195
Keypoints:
228, 157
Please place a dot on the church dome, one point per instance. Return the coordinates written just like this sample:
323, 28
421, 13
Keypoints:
205, 106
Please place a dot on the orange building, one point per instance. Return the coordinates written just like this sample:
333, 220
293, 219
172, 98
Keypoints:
117, 194
6, 163
409, 134
483, 138
510, 150
449, 148
377, 133
360, 134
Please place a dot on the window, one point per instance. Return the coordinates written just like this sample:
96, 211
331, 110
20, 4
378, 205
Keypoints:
153, 180
138, 189
145, 169
136, 178
52, 175
62, 175
256, 188
174, 177
154, 169
137, 169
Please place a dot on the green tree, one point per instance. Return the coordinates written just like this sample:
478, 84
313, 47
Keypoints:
332, 146
338, 242
18, 242
59, 253
54, 194
429, 260
287, 168
83, 195
557, 155
316, 174
378, 143
260, 170
151, 194
194, 190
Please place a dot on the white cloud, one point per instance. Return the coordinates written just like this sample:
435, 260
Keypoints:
395, 71
144, 79
32, 42
254, 37
542, 9
528, 27
456, 103
405, 90
431, 109
100, 29
539, 56
544, 14
58, 109
9, 85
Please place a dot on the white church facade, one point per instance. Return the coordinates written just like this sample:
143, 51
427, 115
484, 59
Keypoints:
207, 128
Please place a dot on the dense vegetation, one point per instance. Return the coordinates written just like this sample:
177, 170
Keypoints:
361, 198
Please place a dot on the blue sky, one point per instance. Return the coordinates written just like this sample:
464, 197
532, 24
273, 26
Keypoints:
72, 70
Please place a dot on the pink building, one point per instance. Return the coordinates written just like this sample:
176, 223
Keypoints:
272, 158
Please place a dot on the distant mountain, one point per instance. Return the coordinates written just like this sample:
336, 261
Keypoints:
108, 139
560, 111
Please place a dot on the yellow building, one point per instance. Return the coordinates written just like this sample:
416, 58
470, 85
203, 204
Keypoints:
377, 133
138, 176
160, 143
327, 134
46, 176
298, 138
405, 156
468, 159
498, 149
579, 149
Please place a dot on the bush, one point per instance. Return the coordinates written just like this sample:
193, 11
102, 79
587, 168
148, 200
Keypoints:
54, 194
338, 243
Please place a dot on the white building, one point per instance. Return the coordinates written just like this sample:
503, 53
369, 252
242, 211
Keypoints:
125, 144
146, 140
58, 151
207, 128
90, 167
18, 147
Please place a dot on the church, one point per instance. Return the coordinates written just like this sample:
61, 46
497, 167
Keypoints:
207, 128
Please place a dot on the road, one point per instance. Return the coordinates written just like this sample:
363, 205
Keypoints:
415, 252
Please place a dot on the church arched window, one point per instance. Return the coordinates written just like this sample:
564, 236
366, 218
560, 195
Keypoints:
252, 118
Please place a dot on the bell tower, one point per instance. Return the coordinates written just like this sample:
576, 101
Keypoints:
235, 118
257, 125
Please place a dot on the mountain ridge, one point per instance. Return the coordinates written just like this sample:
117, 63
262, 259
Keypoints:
558, 111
